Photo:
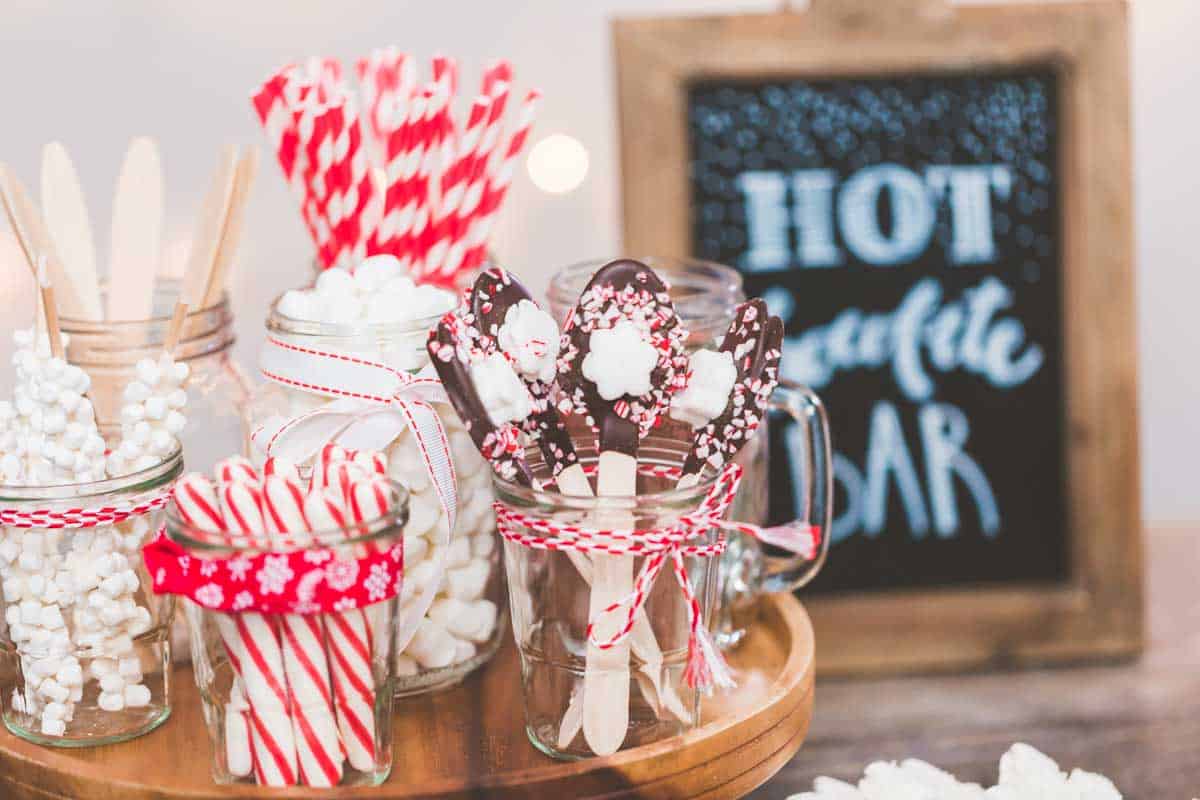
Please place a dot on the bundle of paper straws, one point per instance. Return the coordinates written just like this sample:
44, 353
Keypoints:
410, 180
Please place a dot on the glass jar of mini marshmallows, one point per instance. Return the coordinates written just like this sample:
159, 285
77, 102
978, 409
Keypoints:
454, 604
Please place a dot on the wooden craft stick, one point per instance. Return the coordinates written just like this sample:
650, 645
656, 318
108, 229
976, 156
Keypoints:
67, 222
135, 246
46, 289
209, 226
175, 328
231, 232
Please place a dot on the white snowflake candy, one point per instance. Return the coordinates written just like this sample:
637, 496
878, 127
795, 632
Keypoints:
620, 361
501, 391
529, 336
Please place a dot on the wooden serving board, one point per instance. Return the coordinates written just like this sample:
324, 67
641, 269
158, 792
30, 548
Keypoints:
470, 741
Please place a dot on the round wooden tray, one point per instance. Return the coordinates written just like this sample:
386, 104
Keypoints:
470, 741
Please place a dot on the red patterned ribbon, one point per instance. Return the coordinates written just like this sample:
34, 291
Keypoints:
80, 517
309, 581
371, 404
705, 667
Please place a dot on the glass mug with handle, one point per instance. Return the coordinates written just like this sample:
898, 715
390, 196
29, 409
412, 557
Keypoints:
705, 296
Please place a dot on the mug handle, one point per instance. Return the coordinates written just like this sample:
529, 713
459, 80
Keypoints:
788, 573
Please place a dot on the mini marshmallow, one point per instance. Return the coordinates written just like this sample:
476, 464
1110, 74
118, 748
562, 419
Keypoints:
53, 727
468, 583
137, 696
111, 701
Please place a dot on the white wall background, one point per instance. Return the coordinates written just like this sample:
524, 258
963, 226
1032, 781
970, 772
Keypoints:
93, 74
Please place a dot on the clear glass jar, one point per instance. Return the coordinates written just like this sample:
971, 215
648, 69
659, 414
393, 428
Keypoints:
705, 295
335, 726
462, 628
217, 388
83, 643
549, 597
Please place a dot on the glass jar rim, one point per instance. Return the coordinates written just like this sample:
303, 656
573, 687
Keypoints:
395, 518
164, 472
688, 496
282, 323
706, 319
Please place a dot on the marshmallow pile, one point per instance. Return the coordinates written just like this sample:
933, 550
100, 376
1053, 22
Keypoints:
71, 596
378, 291
460, 619
74, 616
48, 434
1025, 773
152, 415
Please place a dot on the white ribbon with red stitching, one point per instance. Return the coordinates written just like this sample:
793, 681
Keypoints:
370, 405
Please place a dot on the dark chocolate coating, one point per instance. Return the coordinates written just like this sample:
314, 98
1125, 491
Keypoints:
456, 378
615, 432
495, 291
729, 431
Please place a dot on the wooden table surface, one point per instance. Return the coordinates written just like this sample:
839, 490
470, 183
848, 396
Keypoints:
1137, 723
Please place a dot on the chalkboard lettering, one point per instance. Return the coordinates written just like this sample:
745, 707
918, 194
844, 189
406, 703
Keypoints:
907, 230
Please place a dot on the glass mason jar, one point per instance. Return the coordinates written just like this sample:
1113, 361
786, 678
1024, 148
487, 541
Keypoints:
217, 388
550, 599
705, 295
336, 668
84, 650
462, 628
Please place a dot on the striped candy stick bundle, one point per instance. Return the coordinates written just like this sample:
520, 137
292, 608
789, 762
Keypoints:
303, 700
390, 169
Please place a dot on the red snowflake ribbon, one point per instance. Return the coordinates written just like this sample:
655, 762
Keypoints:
309, 581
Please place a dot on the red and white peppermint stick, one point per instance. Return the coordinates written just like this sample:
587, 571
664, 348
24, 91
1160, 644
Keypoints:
350, 647
197, 503
282, 467
254, 652
373, 461
302, 644
343, 475
499, 179
241, 507
236, 468
329, 455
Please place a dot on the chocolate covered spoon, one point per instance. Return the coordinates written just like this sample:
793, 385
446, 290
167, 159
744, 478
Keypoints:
506, 314
622, 359
755, 342
453, 347
496, 300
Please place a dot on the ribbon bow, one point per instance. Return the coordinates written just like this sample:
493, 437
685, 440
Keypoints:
705, 666
372, 404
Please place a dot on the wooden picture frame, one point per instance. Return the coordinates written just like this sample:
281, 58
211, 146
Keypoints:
1098, 612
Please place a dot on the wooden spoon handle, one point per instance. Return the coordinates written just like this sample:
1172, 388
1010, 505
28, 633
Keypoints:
606, 674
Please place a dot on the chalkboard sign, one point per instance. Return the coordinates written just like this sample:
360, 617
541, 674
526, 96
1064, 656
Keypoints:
907, 230
936, 200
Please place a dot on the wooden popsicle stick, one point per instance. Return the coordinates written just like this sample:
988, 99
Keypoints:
14, 222
67, 221
135, 246
572, 480
50, 309
606, 674
175, 328
37, 241
209, 226
234, 223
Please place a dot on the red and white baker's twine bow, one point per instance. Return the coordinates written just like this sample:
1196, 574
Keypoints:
705, 668
81, 517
